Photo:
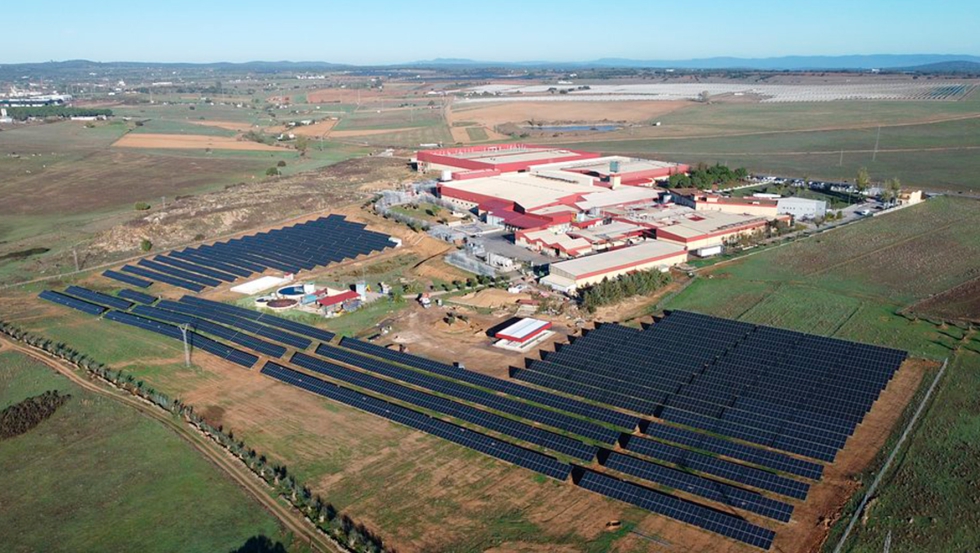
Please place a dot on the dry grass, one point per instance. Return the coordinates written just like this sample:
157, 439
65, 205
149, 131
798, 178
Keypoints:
189, 142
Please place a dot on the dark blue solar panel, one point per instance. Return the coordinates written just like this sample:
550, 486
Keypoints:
128, 279
92, 296
481, 442
138, 297
67, 301
173, 281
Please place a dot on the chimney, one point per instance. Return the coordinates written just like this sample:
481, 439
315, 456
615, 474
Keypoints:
614, 181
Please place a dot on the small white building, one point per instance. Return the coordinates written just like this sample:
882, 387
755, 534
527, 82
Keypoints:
801, 208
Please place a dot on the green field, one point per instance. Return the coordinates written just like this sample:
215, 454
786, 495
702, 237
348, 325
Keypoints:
98, 474
925, 144
851, 283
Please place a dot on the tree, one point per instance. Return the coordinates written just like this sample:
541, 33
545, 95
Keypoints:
705, 97
272, 171
281, 163
862, 181
892, 188
146, 245
302, 143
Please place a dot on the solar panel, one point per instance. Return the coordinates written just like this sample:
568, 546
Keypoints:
260, 346
192, 286
470, 394
696, 485
685, 511
264, 318
526, 458
68, 301
138, 297
570, 405
178, 273
98, 297
497, 423
128, 279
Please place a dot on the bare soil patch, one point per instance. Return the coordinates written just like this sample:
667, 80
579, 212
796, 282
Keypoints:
228, 125
958, 304
189, 142
368, 132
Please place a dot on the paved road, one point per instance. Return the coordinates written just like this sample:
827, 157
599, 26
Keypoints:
290, 518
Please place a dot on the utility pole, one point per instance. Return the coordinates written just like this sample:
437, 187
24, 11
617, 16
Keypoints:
74, 252
840, 163
874, 156
187, 348
163, 201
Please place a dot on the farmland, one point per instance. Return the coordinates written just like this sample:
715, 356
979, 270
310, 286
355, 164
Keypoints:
854, 283
138, 501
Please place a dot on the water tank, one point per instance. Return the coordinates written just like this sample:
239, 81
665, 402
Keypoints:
361, 288
447, 175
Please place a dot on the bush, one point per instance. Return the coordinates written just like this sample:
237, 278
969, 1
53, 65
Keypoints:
282, 163
142, 206
146, 245
272, 171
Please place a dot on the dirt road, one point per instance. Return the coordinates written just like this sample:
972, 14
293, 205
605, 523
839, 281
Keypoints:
290, 518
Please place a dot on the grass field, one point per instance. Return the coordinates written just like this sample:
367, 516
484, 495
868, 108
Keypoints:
927, 144
852, 284
97, 472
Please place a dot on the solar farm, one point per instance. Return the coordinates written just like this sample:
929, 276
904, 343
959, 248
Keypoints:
291, 249
721, 425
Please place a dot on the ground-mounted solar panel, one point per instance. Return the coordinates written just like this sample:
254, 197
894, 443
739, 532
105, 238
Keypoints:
160, 277
264, 318
194, 268
137, 297
128, 279
570, 405
178, 273
99, 298
696, 485
225, 333
517, 455
247, 325
470, 394
537, 436
74, 303
719, 522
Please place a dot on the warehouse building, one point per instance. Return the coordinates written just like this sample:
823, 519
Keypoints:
802, 208
568, 276
706, 229
524, 334
493, 158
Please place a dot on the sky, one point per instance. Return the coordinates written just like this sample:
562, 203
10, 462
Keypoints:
384, 32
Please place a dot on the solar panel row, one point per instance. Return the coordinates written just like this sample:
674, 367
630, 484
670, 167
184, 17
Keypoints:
138, 297
173, 281
98, 297
570, 405
247, 325
264, 318
179, 273
497, 423
206, 271
68, 301
685, 511
272, 350
757, 456
696, 485
693, 460
196, 340
473, 395
526, 458
128, 279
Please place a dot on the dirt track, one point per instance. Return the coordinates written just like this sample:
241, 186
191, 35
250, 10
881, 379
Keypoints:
189, 142
291, 519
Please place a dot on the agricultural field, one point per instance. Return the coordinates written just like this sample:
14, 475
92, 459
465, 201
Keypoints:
138, 501
854, 283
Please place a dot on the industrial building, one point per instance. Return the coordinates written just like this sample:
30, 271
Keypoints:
568, 276
802, 208
493, 159
523, 334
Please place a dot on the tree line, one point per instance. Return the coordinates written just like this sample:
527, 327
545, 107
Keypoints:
21, 417
42, 112
705, 176
611, 291
353, 536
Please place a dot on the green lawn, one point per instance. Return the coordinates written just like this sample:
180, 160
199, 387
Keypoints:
99, 476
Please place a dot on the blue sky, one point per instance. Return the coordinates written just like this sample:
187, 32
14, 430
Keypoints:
381, 31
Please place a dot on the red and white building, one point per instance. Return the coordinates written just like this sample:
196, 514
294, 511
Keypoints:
524, 334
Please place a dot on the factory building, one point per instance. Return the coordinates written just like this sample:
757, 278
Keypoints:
802, 208
568, 276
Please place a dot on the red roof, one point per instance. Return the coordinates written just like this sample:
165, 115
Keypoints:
339, 298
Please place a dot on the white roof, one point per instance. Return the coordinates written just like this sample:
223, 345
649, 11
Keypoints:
258, 285
633, 255
706, 222
527, 190
618, 196
522, 329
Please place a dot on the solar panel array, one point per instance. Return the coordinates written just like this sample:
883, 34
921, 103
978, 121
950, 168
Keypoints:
569, 405
686, 511
234, 336
138, 297
68, 301
695, 485
98, 297
264, 318
481, 442
494, 401
128, 279
236, 356
289, 249
461, 411
247, 325
786, 390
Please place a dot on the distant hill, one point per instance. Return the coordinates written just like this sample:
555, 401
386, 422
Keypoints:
970, 67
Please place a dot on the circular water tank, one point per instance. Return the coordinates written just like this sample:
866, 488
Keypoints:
447, 175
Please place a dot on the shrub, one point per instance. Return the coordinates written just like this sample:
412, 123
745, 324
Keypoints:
142, 206
146, 245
